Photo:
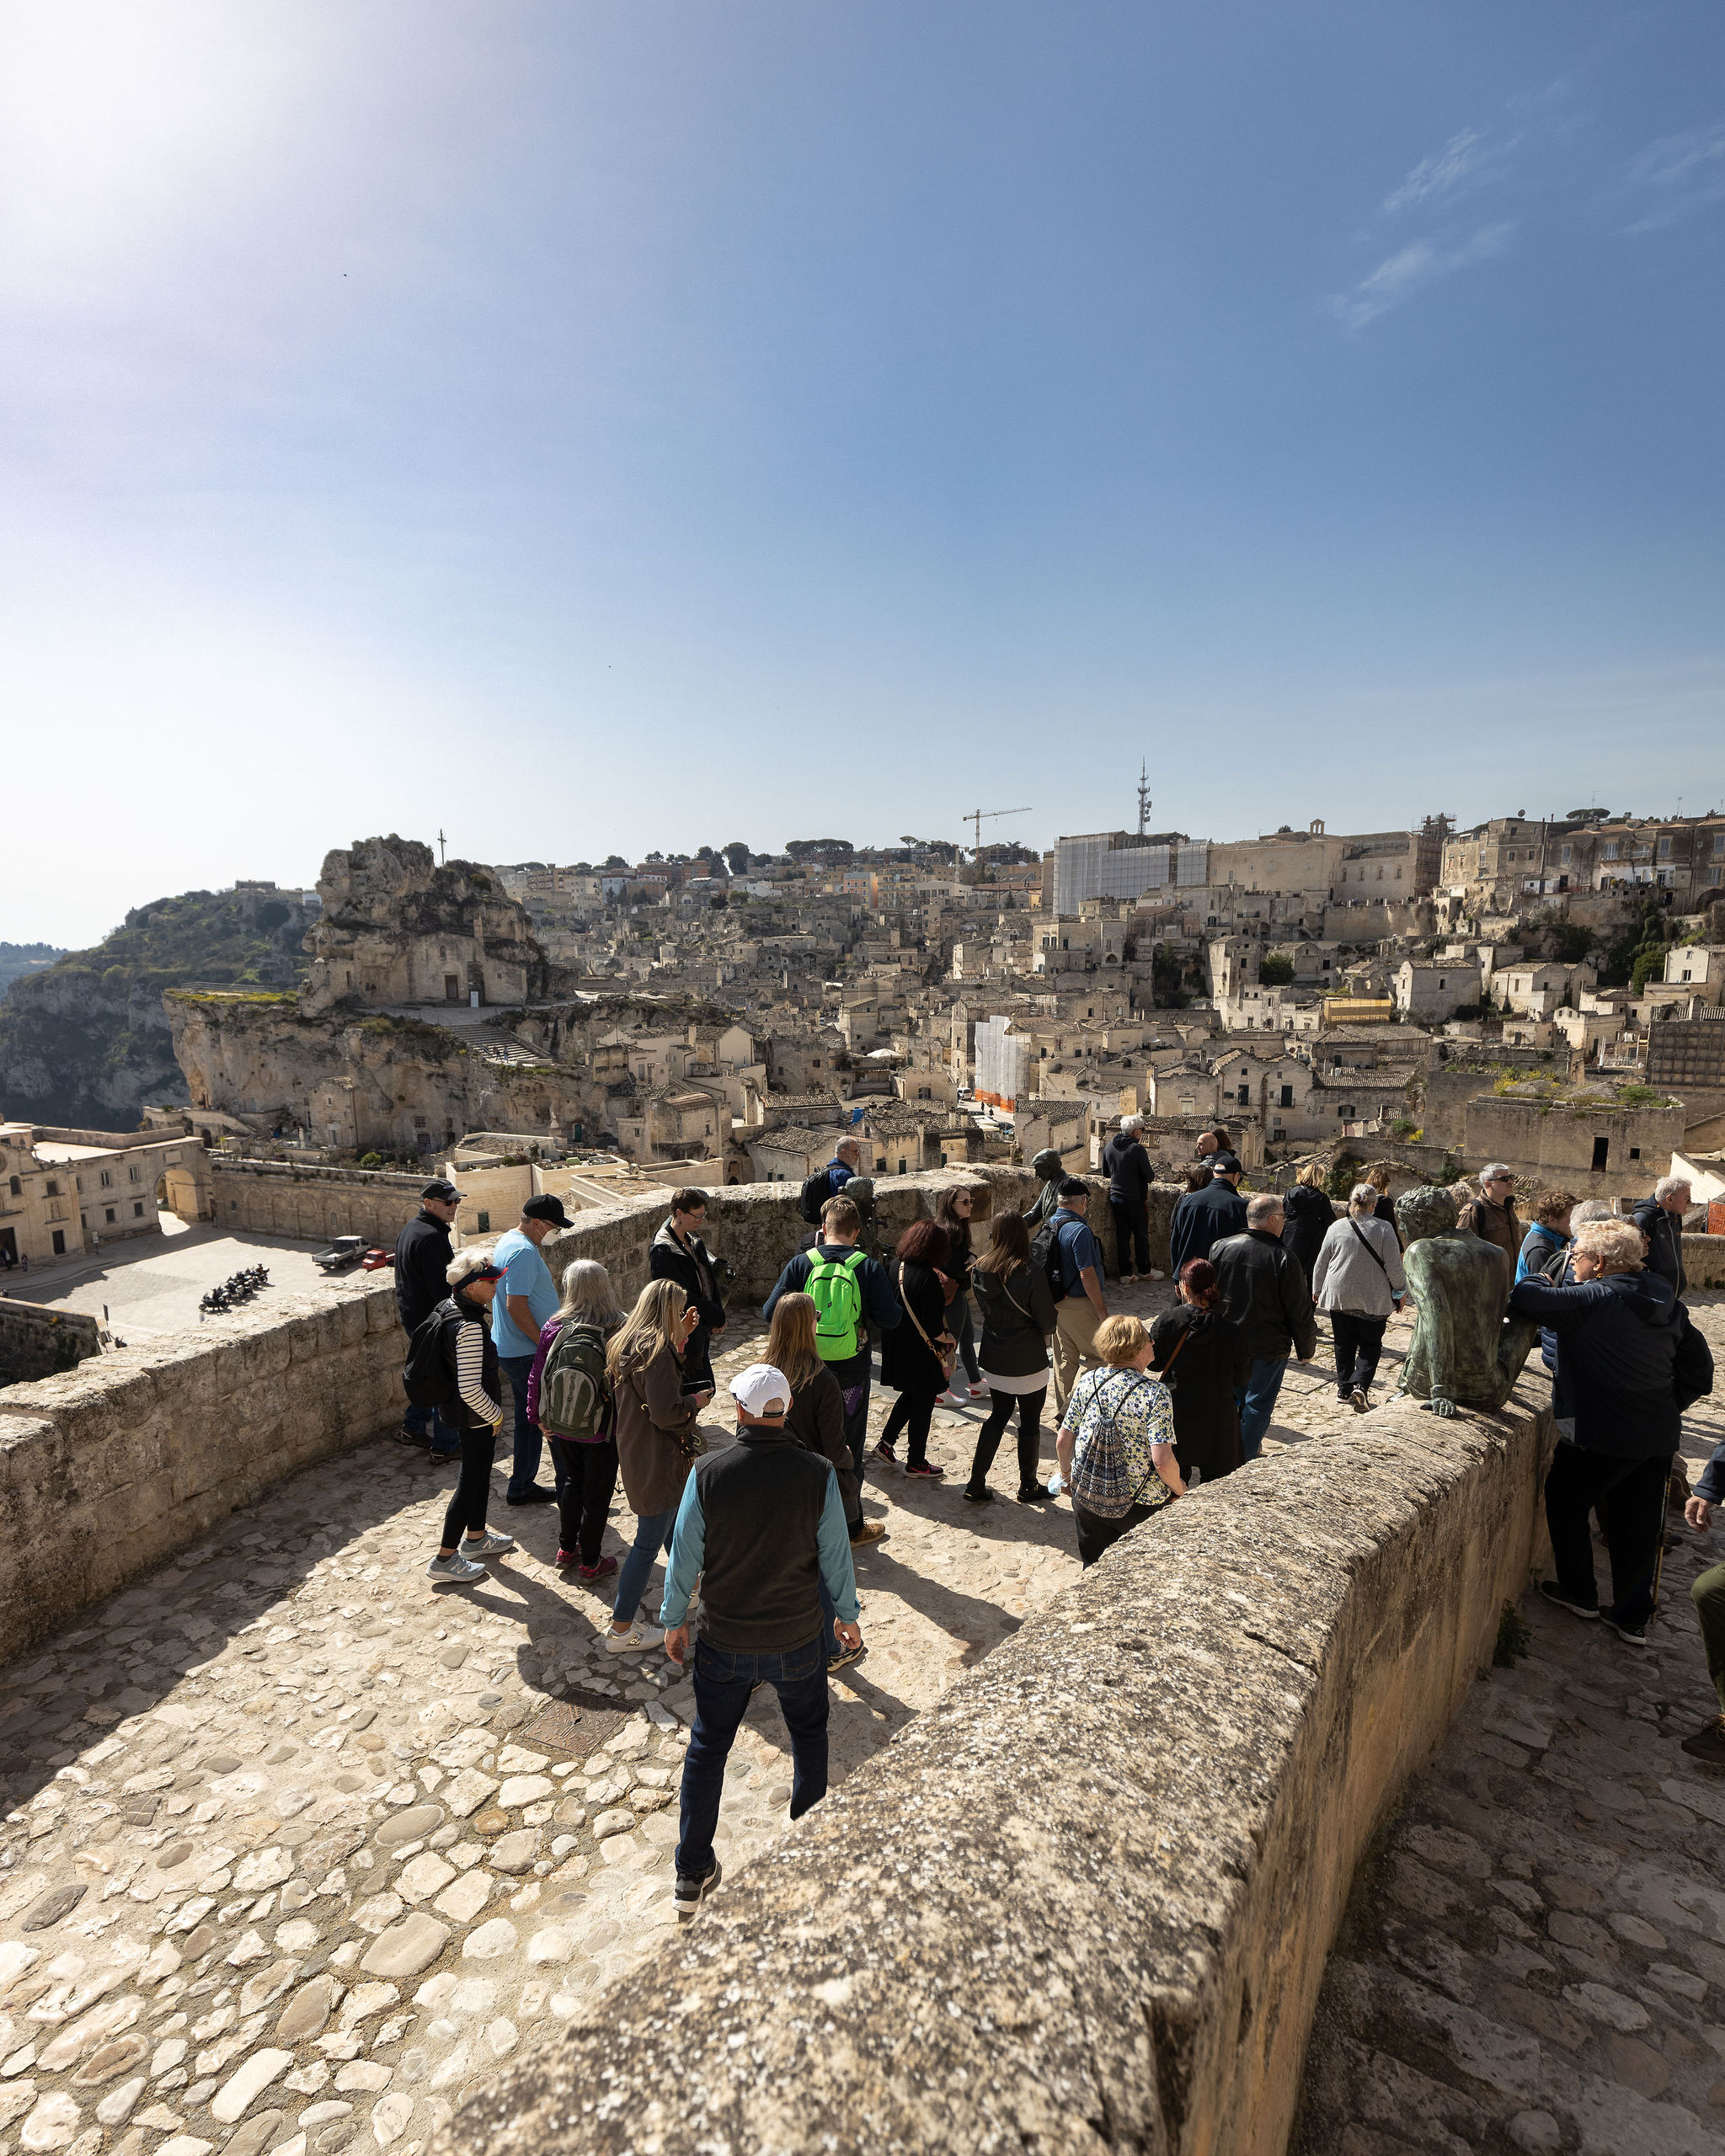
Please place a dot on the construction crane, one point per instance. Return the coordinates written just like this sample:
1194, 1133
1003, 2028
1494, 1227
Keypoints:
978, 817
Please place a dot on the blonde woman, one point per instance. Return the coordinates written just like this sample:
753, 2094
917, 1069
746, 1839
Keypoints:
569, 1399
1307, 1217
1614, 1393
816, 1422
657, 1440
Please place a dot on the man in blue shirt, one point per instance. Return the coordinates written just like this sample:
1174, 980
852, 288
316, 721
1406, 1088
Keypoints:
1079, 1305
762, 1528
526, 1301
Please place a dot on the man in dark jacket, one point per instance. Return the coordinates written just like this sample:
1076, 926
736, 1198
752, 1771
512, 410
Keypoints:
840, 1225
678, 1253
423, 1255
1205, 1217
1660, 1220
1265, 1292
761, 1526
1614, 1397
1127, 1166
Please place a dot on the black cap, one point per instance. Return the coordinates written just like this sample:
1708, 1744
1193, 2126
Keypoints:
547, 1208
443, 1191
1226, 1164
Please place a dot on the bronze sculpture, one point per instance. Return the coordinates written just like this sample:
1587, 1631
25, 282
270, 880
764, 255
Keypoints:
1465, 1352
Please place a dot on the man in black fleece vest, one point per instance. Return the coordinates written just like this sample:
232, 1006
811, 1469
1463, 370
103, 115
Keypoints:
760, 1525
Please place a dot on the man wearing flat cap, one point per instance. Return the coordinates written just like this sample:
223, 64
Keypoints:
423, 1255
761, 1525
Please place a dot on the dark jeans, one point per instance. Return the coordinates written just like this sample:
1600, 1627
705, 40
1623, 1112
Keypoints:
723, 1683
1360, 1341
962, 1325
586, 1475
1131, 1238
1634, 1524
652, 1534
988, 1442
1256, 1401
912, 1412
524, 1471
1097, 1534
466, 1506
1708, 1594
428, 1422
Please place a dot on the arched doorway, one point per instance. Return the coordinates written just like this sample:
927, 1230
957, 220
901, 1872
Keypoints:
177, 1193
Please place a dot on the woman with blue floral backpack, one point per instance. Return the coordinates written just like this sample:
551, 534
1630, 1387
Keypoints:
1116, 1442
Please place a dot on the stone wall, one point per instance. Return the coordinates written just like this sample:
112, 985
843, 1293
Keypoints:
274, 1197
109, 1470
1704, 1261
1087, 1904
37, 1344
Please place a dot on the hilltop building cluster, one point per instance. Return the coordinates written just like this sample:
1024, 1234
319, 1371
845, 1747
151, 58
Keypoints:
1544, 992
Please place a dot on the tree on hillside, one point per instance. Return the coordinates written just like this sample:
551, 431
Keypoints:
738, 856
801, 849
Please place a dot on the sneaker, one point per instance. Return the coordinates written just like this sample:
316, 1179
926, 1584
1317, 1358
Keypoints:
982, 1496
637, 1639
1633, 1635
885, 1451
688, 1894
1708, 1743
416, 1440
1554, 1594
844, 1659
1035, 1494
928, 1472
872, 1530
454, 1567
566, 1557
448, 1455
538, 1495
603, 1569
1359, 1400
489, 1545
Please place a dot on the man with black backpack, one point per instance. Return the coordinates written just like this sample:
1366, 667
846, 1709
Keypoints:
828, 1181
423, 1255
851, 1291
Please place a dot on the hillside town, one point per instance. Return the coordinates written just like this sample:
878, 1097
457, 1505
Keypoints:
1543, 992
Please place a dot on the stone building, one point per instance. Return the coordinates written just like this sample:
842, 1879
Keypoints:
65, 1191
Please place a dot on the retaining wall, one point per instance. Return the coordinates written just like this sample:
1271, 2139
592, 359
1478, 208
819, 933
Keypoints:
276, 1198
1084, 1904
36, 1342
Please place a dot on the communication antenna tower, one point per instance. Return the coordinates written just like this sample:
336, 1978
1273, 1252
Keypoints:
1143, 797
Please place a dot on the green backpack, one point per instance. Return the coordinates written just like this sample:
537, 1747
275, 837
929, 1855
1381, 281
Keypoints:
837, 1295
575, 1398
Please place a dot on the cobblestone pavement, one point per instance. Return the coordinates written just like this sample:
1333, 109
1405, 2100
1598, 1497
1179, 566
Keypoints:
1534, 1957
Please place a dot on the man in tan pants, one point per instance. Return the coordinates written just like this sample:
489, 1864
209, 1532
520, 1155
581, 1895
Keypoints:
1082, 1307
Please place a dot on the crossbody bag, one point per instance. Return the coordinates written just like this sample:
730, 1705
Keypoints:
945, 1360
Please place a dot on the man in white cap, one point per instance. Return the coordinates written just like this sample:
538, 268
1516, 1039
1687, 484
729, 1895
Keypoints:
761, 1525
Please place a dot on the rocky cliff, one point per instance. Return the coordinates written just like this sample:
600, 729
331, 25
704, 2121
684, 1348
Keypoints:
87, 1042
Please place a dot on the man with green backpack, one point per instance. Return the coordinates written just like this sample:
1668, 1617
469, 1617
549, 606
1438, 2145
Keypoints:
852, 1292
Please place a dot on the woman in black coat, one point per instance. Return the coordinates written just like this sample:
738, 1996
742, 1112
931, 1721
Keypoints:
1203, 1359
1308, 1216
1018, 1318
912, 1354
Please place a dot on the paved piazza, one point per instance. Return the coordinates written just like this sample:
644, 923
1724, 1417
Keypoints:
152, 1285
298, 1846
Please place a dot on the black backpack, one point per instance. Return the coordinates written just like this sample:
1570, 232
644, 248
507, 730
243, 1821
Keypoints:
816, 1190
1045, 1251
426, 1375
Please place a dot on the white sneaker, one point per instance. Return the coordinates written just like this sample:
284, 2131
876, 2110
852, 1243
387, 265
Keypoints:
636, 1639
454, 1567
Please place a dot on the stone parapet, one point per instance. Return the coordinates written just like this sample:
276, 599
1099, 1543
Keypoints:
1087, 1903
36, 1342
1704, 1261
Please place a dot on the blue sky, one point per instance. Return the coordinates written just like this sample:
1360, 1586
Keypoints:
596, 427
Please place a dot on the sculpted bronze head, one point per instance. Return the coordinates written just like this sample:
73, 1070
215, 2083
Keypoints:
1428, 1210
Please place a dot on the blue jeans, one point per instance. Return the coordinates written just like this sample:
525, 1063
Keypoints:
723, 1683
523, 1471
652, 1534
428, 1423
1256, 1401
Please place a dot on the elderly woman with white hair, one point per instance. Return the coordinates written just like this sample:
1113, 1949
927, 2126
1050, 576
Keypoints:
1618, 1327
1357, 1280
1130, 1173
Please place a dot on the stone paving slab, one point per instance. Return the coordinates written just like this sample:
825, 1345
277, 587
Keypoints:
1534, 1957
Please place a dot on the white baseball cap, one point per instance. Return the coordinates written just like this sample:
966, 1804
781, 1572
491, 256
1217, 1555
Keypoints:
760, 1390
